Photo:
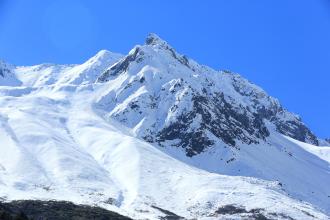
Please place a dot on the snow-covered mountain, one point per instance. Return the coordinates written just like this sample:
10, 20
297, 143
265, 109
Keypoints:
166, 97
154, 134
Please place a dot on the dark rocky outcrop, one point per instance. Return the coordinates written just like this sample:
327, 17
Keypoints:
253, 214
296, 130
218, 117
285, 122
121, 66
54, 210
168, 215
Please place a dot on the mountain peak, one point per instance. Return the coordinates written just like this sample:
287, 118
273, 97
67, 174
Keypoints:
154, 39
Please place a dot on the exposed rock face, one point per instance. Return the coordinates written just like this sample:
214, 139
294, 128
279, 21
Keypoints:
169, 99
216, 116
297, 130
286, 123
119, 67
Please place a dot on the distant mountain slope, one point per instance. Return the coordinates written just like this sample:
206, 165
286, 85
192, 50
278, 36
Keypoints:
155, 135
7, 77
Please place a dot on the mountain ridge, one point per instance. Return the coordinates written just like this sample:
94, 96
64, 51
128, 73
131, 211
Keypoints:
287, 123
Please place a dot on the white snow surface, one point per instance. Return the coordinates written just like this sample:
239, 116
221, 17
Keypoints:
56, 142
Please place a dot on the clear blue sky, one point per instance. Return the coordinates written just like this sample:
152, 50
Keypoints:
281, 45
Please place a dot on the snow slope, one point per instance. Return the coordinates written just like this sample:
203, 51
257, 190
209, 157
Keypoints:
58, 140
49, 74
66, 151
